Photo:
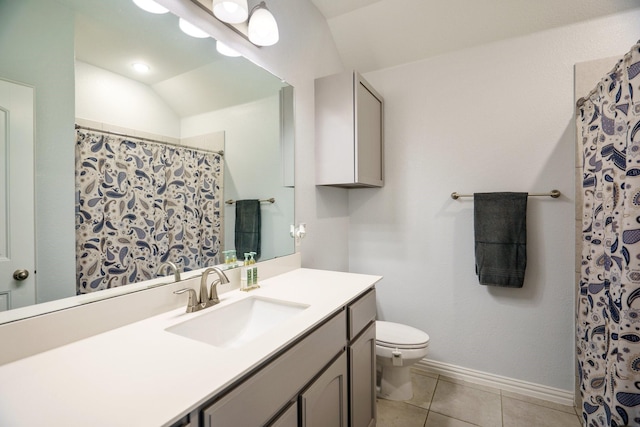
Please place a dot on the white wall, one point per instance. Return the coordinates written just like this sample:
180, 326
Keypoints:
103, 96
498, 117
252, 154
305, 51
36, 42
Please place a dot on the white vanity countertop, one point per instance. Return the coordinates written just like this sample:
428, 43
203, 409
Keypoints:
144, 376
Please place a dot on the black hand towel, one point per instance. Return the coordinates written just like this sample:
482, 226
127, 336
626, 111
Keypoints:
248, 223
500, 225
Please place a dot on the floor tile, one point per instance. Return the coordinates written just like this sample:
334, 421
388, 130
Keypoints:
470, 384
517, 413
423, 388
399, 414
419, 371
540, 402
437, 420
468, 404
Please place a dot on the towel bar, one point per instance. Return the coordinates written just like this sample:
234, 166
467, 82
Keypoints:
271, 200
554, 194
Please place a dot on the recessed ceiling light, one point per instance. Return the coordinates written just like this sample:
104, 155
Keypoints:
190, 29
150, 6
140, 67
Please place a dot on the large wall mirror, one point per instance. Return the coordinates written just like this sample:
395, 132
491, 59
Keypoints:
231, 118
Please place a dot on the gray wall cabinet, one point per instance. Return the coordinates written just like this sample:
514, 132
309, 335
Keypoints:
349, 122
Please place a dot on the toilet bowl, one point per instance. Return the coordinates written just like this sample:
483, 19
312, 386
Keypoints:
397, 348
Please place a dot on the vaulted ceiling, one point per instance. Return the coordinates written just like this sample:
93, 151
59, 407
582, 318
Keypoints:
376, 34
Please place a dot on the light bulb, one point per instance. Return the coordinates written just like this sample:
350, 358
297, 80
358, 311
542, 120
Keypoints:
226, 50
151, 6
231, 11
190, 29
263, 28
230, 7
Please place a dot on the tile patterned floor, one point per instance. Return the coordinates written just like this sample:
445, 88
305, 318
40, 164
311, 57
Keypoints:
445, 402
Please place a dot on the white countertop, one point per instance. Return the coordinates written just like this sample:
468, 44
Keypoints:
144, 376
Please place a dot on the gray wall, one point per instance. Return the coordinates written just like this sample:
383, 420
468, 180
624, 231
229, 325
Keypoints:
305, 51
498, 117
37, 49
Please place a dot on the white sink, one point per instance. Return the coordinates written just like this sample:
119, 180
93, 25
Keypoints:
238, 323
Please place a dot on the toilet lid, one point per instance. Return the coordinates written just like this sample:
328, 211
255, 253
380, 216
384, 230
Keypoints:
396, 335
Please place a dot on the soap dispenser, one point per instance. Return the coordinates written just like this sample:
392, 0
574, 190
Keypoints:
254, 270
245, 274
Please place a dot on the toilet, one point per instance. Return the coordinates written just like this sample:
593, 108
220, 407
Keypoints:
397, 348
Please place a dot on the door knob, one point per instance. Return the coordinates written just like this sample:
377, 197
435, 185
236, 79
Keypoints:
20, 274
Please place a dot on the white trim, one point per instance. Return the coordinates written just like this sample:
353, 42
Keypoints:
551, 394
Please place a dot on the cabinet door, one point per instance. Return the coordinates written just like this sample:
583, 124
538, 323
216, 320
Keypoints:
324, 403
288, 418
362, 379
369, 167
261, 396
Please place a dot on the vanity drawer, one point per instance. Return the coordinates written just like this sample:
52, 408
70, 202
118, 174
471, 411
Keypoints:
264, 394
361, 313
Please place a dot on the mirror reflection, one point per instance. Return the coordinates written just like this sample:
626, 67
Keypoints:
147, 142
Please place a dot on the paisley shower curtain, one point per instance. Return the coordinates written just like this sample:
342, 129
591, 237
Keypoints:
608, 306
139, 204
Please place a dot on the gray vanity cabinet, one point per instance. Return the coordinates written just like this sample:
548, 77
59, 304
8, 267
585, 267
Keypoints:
325, 402
349, 132
261, 397
362, 379
325, 379
362, 361
289, 418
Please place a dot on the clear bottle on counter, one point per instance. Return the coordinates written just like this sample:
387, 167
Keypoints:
254, 269
245, 274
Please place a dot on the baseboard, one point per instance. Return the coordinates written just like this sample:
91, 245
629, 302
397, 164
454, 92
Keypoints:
551, 394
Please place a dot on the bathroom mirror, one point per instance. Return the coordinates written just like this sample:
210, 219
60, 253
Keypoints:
76, 53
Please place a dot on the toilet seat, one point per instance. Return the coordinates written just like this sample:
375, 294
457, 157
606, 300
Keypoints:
396, 335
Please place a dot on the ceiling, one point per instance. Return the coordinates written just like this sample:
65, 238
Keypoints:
186, 73
376, 34
369, 35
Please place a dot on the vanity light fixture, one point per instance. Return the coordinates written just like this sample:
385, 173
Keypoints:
190, 29
225, 50
263, 28
151, 6
231, 11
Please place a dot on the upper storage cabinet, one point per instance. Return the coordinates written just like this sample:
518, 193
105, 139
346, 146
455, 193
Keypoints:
349, 132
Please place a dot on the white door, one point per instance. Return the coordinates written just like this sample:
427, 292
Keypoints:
17, 224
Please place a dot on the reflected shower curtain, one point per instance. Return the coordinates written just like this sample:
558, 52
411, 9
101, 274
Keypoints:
608, 307
139, 204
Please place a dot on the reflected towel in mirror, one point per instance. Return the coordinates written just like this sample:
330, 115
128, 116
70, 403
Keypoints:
248, 224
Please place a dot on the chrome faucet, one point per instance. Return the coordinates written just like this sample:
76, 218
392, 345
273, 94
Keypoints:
207, 299
171, 266
192, 305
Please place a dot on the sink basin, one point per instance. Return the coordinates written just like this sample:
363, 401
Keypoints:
236, 324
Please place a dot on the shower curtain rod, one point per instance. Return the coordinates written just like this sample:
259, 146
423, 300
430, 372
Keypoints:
221, 152
271, 200
553, 193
